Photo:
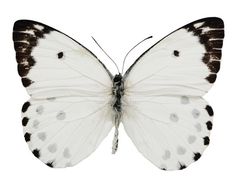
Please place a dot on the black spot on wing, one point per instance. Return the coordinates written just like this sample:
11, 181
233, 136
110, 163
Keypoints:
60, 55
182, 166
36, 153
196, 156
23, 69
21, 46
25, 106
31, 61
215, 43
209, 125
214, 66
50, 164
206, 140
211, 78
209, 110
25, 121
25, 63
176, 53
27, 137
26, 82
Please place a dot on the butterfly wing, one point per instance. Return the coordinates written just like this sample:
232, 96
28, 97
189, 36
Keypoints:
172, 132
164, 113
68, 114
63, 131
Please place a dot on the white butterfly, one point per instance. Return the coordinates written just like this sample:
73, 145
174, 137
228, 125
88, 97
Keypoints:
75, 101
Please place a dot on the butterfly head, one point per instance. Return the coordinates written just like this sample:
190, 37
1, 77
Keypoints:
117, 79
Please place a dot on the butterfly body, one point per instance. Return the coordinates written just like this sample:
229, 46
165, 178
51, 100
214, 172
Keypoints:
75, 100
117, 92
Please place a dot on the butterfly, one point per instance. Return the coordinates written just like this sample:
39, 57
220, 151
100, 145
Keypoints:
76, 101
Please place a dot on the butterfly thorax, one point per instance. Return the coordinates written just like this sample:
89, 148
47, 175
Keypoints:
117, 92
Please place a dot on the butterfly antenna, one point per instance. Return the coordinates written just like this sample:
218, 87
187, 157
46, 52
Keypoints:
131, 50
106, 54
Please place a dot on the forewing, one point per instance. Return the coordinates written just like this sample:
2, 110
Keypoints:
52, 64
185, 62
171, 132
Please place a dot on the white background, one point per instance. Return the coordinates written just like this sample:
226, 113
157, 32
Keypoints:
117, 25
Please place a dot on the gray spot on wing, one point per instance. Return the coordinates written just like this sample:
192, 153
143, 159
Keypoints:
195, 113
198, 127
166, 155
66, 153
181, 150
40, 109
191, 139
61, 115
51, 99
41, 136
184, 100
52, 148
35, 124
174, 117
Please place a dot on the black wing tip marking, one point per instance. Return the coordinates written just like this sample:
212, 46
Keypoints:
24, 42
215, 22
212, 39
22, 25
